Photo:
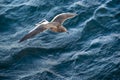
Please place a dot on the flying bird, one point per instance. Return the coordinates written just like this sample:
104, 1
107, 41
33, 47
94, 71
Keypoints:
55, 25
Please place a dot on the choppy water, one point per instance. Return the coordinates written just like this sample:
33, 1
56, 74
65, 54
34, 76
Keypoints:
90, 52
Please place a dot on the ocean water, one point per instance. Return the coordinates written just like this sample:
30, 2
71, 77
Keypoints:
91, 50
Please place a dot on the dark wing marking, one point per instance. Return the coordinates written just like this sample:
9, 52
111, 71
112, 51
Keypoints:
34, 32
62, 17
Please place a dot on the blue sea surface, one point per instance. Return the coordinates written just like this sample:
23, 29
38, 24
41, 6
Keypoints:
91, 50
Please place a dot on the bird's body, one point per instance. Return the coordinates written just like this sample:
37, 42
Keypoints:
55, 25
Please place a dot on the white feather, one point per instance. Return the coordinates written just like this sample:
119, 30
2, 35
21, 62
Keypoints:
38, 25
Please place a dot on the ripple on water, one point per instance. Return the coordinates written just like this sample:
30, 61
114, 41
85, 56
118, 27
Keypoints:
89, 52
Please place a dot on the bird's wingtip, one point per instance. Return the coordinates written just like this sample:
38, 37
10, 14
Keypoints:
20, 41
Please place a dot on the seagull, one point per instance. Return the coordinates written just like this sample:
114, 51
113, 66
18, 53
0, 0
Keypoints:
56, 25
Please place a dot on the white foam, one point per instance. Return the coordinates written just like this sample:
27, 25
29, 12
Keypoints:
105, 39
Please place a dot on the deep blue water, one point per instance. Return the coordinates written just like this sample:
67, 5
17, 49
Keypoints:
91, 51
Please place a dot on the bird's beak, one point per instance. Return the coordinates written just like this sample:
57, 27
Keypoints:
75, 14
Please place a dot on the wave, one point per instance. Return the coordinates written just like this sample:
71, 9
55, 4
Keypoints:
90, 51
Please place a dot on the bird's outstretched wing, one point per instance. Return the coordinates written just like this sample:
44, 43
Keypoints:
39, 28
62, 17
35, 31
